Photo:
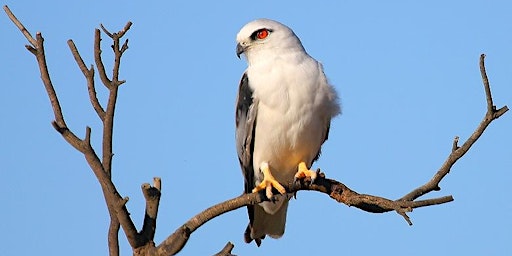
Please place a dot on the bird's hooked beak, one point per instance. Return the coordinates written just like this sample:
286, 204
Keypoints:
239, 50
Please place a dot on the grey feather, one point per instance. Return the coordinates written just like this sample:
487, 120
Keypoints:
245, 116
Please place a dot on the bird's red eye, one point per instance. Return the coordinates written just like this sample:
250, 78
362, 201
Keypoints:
262, 34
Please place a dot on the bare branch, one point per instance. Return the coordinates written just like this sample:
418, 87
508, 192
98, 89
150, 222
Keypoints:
226, 251
176, 241
78, 58
118, 34
113, 86
125, 29
37, 49
122, 214
22, 28
152, 195
125, 46
455, 144
490, 105
106, 31
45, 77
487, 87
116, 205
458, 152
335, 189
113, 235
89, 76
98, 60
31, 49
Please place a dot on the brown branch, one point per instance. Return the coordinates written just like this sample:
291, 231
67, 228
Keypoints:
226, 251
113, 235
106, 31
335, 189
116, 205
122, 217
101, 169
487, 87
113, 86
20, 26
176, 241
37, 49
98, 60
89, 76
152, 195
458, 152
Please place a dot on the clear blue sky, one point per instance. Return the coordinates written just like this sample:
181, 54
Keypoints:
409, 82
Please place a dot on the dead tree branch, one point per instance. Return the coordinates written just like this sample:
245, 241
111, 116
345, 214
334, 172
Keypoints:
101, 168
457, 152
226, 251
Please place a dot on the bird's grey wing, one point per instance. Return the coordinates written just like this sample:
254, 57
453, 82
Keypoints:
246, 111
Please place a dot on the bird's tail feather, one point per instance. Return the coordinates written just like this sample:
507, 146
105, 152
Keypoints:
264, 224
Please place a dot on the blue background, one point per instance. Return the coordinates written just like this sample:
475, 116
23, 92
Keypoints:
409, 81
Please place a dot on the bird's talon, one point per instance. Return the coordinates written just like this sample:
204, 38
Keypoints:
304, 172
268, 183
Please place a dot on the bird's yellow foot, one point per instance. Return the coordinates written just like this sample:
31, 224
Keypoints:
304, 172
268, 182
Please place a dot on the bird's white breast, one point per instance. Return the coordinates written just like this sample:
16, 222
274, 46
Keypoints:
295, 107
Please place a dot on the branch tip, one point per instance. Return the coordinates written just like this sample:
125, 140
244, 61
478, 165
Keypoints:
157, 183
88, 135
125, 46
106, 31
404, 215
226, 251
31, 49
20, 26
487, 87
455, 144
145, 186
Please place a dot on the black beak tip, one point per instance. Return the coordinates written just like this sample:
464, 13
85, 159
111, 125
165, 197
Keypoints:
239, 50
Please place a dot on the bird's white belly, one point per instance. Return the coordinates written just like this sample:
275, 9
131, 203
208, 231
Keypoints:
284, 139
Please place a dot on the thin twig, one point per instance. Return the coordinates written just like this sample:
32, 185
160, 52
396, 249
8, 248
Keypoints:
89, 76
20, 26
226, 251
106, 31
37, 48
456, 154
99, 61
487, 87
455, 144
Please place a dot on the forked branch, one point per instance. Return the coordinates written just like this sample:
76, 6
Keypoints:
101, 168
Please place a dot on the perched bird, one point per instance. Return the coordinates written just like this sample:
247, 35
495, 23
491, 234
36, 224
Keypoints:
283, 114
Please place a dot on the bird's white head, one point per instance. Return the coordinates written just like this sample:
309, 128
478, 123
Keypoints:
263, 38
